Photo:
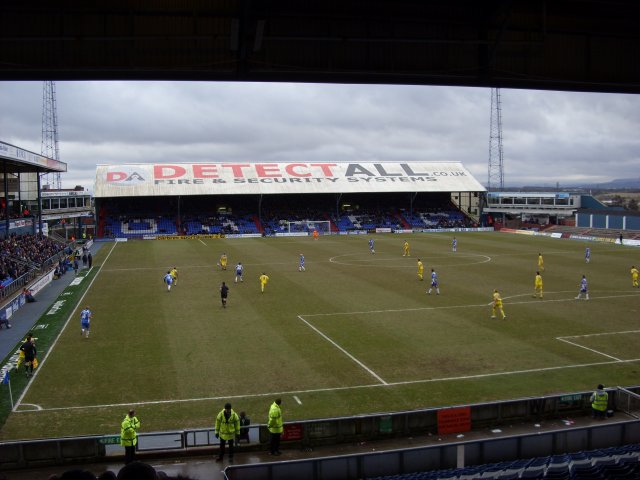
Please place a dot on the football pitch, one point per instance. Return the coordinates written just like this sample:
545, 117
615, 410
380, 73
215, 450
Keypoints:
355, 333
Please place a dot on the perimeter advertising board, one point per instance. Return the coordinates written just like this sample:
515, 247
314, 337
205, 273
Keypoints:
135, 180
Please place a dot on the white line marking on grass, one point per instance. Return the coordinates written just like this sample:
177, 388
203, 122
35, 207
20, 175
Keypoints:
371, 372
514, 372
532, 252
587, 348
564, 339
484, 305
295, 397
64, 327
200, 240
573, 299
375, 260
36, 407
598, 334
333, 389
213, 267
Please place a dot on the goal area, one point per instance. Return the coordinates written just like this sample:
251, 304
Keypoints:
322, 227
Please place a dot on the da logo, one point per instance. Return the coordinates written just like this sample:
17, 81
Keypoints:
125, 177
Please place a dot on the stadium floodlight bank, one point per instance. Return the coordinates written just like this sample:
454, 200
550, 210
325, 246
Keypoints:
322, 227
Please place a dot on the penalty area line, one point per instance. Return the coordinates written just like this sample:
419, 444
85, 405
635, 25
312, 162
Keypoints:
564, 339
484, 305
587, 348
599, 334
326, 337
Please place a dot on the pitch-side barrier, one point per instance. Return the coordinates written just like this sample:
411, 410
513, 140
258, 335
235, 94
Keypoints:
330, 431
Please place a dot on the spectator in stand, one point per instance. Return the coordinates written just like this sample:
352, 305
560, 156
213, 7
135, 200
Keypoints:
244, 427
21, 253
28, 295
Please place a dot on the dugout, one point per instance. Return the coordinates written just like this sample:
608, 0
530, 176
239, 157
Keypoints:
258, 191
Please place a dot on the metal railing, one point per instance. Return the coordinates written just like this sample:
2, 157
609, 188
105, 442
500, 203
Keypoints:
18, 284
443, 456
36, 270
628, 402
304, 434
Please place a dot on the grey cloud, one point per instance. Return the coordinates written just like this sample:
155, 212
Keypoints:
573, 135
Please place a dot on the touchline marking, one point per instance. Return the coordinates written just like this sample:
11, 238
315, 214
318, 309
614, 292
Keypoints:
587, 348
64, 327
334, 389
371, 372
295, 397
200, 240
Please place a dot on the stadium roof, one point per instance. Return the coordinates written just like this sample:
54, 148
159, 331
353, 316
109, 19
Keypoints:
588, 45
139, 180
18, 160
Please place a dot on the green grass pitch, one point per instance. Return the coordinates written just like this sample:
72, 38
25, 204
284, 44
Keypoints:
355, 333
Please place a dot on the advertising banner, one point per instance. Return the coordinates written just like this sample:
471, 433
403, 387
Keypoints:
135, 180
454, 420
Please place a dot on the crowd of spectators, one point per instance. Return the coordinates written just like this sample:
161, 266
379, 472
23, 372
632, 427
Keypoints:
21, 253
132, 471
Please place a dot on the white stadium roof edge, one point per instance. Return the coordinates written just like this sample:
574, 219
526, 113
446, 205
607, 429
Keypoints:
235, 178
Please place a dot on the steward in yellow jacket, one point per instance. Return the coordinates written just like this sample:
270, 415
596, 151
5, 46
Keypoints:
274, 424
227, 429
129, 435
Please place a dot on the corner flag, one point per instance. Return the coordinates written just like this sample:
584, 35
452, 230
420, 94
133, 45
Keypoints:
5, 377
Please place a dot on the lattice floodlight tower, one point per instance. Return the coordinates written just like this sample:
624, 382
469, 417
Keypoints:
49, 145
496, 174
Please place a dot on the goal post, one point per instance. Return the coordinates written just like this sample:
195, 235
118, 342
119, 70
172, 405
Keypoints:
323, 227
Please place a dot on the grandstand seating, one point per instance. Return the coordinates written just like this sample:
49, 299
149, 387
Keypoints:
138, 225
605, 464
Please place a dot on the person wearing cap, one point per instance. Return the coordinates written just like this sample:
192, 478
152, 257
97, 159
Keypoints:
129, 436
599, 402
227, 429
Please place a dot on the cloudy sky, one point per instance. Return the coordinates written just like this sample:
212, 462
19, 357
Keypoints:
548, 137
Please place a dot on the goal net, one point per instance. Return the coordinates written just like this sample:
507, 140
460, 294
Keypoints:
322, 227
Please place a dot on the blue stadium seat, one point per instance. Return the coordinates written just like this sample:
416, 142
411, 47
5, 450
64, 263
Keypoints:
534, 473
